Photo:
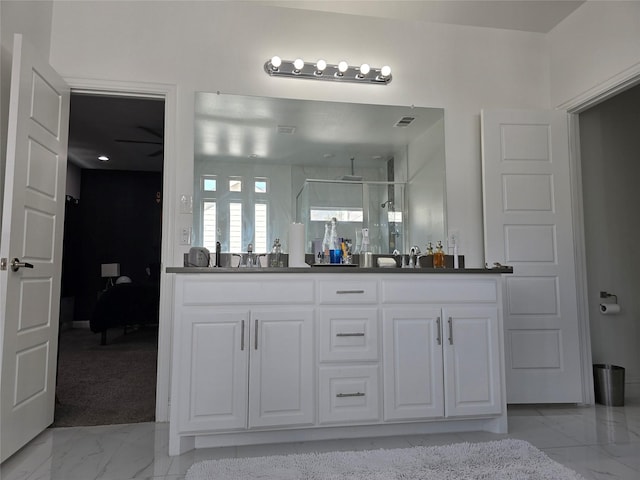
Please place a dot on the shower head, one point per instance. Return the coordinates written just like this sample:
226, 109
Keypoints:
388, 202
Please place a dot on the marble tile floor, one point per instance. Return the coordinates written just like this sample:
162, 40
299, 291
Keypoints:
597, 441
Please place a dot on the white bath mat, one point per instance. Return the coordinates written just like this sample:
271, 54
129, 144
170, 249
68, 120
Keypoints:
498, 460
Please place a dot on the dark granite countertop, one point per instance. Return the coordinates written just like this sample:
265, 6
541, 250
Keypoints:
341, 269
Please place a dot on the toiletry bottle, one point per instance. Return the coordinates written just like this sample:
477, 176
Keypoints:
334, 242
438, 256
427, 261
276, 251
325, 242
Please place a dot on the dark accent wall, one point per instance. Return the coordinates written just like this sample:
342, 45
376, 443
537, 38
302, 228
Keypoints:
120, 216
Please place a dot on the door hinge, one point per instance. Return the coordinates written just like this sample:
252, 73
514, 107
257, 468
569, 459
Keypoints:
3, 263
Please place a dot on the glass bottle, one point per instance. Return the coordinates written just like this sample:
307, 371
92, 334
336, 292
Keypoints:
275, 257
429, 258
335, 250
325, 242
438, 256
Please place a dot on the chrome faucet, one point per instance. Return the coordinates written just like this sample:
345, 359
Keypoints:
414, 253
250, 259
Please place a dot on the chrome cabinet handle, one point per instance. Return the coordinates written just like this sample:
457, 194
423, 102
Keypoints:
256, 335
16, 264
357, 394
242, 336
347, 292
350, 334
450, 331
438, 333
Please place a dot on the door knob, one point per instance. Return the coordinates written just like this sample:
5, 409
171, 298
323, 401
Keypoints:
16, 264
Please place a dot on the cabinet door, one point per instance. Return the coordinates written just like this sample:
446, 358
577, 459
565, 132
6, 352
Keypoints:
281, 368
412, 363
214, 369
471, 361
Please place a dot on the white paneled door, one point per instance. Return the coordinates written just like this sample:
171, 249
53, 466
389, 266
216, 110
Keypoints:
31, 247
528, 225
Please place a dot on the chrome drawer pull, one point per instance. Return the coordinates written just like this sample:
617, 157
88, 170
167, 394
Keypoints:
357, 394
347, 292
450, 331
242, 336
350, 334
438, 334
256, 335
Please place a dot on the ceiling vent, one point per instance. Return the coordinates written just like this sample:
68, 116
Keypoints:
286, 129
404, 122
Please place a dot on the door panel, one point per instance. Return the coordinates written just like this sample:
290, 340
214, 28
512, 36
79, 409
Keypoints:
281, 379
214, 394
32, 226
412, 350
528, 225
471, 361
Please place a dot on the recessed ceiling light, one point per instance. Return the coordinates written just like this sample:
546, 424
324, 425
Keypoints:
328, 155
103, 158
253, 155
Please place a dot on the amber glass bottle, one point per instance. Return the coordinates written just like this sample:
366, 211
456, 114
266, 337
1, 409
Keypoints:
438, 256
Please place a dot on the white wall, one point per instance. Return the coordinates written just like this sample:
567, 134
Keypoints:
610, 146
33, 20
597, 42
221, 46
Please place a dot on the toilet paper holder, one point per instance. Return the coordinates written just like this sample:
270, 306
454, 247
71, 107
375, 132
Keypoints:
609, 308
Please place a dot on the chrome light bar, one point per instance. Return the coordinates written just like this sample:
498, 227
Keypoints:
321, 70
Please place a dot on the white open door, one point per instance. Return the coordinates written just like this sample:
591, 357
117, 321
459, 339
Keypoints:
528, 225
31, 247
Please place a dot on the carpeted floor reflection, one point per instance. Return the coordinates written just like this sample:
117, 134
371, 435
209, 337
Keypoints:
106, 384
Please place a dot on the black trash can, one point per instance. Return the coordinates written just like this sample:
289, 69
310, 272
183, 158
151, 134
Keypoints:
608, 381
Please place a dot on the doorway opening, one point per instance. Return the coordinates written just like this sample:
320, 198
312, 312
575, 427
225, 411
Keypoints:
609, 170
110, 289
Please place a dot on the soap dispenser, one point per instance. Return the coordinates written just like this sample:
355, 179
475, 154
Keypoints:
438, 256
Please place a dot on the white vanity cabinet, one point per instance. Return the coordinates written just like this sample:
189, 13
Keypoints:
243, 365
441, 348
263, 357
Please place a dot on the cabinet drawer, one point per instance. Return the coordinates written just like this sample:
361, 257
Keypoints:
349, 394
440, 290
348, 334
244, 291
348, 292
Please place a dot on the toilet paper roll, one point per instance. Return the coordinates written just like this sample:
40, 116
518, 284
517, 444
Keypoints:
296, 245
609, 308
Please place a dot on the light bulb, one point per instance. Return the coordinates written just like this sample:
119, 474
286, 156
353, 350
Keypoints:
276, 61
321, 65
298, 63
385, 71
103, 158
365, 68
343, 66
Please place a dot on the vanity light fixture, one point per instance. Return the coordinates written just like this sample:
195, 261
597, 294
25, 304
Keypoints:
320, 70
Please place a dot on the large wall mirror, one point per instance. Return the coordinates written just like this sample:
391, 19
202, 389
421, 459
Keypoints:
262, 163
